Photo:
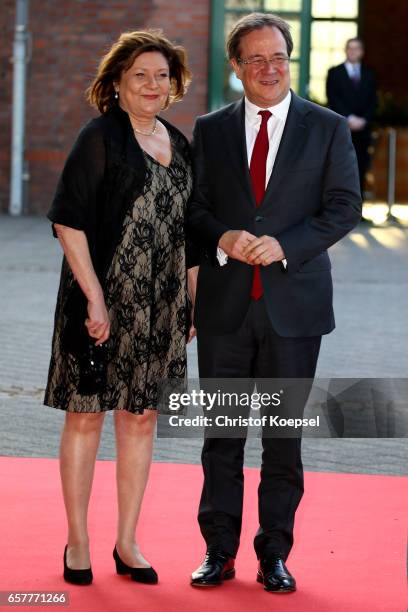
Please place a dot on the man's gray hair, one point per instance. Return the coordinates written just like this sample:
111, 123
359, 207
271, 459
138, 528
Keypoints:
256, 21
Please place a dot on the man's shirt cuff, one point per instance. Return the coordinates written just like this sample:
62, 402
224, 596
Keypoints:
221, 256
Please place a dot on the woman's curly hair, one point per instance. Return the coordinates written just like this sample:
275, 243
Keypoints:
121, 56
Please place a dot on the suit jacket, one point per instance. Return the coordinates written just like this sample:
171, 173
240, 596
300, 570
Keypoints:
312, 200
346, 98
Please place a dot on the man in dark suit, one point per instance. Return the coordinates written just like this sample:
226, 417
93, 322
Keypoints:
276, 184
351, 92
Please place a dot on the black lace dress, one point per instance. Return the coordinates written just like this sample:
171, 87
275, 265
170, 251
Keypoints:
145, 294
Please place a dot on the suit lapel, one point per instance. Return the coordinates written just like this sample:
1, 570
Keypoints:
293, 139
363, 76
345, 75
233, 130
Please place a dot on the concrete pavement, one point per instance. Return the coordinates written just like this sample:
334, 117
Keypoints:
370, 340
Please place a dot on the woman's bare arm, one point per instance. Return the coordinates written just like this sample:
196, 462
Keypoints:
192, 274
76, 249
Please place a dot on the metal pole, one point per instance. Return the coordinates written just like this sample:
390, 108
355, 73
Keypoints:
392, 159
18, 108
305, 42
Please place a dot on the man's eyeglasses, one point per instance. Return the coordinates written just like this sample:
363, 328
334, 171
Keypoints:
261, 62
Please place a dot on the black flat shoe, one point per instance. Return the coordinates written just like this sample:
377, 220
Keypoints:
76, 576
147, 575
275, 576
216, 567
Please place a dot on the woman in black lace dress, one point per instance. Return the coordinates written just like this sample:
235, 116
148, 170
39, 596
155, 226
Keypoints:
119, 215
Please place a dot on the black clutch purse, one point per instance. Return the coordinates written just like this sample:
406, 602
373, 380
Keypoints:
92, 369
92, 360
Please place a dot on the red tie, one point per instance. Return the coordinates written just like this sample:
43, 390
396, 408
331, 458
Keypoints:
257, 170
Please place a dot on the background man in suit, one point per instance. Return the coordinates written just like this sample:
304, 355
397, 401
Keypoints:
276, 184
351, 91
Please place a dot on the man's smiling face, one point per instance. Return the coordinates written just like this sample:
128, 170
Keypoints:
269, 84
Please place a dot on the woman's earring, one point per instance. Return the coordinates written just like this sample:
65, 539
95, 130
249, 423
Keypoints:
116, 95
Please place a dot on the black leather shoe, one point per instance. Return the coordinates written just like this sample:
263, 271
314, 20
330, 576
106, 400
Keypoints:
147, 575
76, 576
275, 576
216, 567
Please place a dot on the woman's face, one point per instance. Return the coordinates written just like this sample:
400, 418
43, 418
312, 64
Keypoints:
143, 89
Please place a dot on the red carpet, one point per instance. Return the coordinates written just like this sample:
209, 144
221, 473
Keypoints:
349, 555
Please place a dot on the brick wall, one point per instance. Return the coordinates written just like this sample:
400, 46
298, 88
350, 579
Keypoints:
70, 36
68, 39
384, 30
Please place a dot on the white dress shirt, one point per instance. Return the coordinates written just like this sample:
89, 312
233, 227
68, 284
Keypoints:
353, 70
275, 126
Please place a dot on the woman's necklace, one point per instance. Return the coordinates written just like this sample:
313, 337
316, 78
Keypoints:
147, 133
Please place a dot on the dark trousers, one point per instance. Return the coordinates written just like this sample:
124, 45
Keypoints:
253, 351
